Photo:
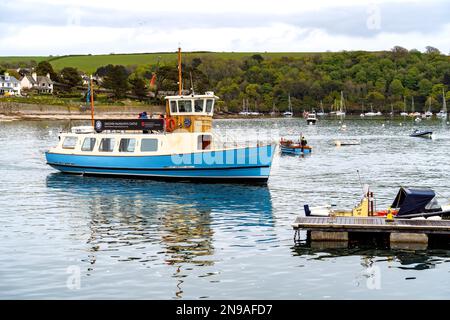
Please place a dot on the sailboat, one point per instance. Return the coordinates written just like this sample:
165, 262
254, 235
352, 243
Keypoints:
255, 113
370, 113
341, 111
273, 113
404, 113
321, 112
443, 113
414, 114
428, 114
289, 113
244, 111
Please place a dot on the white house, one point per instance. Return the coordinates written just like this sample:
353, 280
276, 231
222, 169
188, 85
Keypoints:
42, 84
9, 85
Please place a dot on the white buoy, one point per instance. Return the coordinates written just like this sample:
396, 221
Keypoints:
401, 124
382, 125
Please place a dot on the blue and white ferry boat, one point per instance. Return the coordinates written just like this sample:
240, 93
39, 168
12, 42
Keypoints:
180, 146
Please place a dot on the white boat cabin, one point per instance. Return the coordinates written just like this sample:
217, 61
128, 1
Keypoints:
133, 144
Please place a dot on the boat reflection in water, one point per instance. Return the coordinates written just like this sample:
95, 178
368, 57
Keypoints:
412, 258
154, 223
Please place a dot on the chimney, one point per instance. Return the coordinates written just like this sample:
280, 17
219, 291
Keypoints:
34, 76
48, 75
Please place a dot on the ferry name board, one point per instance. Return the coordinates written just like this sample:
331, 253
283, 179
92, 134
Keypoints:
129, 124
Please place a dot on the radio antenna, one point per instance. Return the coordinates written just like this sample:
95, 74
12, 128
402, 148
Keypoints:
192, 83
359, 176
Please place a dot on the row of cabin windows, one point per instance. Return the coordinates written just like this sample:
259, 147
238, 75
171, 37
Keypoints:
107, 144
127, 144
186, 106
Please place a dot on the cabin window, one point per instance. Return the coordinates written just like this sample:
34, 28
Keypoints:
88, 144
70, 142
173, 107
204, 142
209, 105
127, 145
149, 145
106, 145
198, 105
184, 106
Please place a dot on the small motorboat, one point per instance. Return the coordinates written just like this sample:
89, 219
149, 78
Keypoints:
311, 118
408, 204
294, 147
347, 142
422, 134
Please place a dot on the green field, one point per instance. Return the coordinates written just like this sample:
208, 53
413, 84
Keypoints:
90, 63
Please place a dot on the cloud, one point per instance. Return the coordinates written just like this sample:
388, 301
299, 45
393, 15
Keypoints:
45, 27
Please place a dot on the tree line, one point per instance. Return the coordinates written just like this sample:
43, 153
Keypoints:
384, 80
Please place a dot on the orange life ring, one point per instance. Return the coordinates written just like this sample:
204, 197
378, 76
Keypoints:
170, 124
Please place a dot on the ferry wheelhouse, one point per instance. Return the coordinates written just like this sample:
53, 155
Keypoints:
180, 146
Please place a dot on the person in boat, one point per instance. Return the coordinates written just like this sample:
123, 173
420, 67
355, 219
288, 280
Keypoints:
303, 142
143, 115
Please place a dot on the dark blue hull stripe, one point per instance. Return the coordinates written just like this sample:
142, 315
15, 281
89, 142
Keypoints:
158, 169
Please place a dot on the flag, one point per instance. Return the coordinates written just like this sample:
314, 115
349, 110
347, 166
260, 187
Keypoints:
153, 80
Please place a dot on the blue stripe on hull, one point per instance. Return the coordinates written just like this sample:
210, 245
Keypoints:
235, 164
296, 151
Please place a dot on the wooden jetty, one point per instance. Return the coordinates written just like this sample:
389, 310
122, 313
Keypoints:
399, 230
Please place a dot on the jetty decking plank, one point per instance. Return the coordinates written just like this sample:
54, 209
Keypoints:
372, 224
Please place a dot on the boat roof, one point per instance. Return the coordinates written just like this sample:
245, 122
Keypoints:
412, 200
208, 94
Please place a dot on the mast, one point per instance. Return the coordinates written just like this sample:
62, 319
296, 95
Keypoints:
289, 102
180, 88
91, 94
444, 103
341, 102
412, 104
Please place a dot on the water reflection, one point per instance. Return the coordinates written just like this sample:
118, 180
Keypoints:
151, 222
401, 259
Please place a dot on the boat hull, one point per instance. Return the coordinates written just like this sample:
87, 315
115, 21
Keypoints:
242, 165
294, 151
422, 134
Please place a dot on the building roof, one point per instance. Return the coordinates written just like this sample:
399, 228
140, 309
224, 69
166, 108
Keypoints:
40, 80
11, 79
30, 78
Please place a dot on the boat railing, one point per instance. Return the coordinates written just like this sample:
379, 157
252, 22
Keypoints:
233, 141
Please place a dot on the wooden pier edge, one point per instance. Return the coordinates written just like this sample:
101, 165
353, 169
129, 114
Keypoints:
400, 231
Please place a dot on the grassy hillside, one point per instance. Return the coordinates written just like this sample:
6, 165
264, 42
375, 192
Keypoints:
90, 63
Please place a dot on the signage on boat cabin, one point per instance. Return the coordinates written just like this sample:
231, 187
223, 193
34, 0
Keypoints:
129, 124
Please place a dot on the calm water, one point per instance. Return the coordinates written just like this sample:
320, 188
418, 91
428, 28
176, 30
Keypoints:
156, 240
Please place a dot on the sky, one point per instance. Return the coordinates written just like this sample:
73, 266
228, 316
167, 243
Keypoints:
60, 27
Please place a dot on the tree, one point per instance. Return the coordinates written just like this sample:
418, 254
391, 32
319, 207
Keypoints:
258, 58
425, 86
139, 88
375, 97
104, 70
396, 88
44, 67
432, 50
116, 79
70, 77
